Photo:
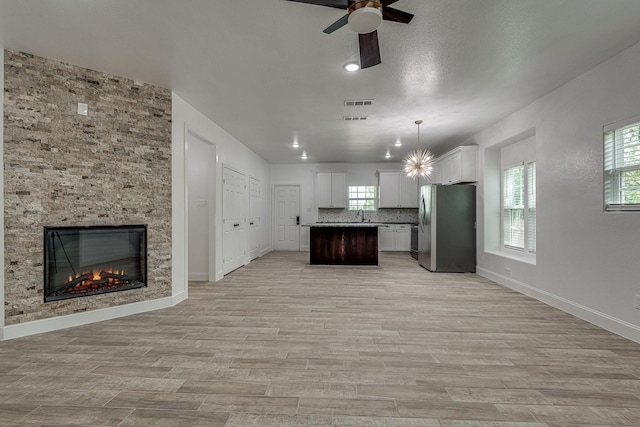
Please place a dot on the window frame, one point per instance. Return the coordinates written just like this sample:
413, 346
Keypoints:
365, 188
612, 172
527, 248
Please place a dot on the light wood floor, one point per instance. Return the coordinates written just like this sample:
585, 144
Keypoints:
283, 343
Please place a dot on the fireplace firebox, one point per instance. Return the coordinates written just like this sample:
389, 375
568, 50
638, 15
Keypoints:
83, 261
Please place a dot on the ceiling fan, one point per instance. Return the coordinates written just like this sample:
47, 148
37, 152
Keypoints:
364, 17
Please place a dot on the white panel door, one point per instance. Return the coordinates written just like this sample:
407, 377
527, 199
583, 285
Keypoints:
286, 217
234, 210
254, 218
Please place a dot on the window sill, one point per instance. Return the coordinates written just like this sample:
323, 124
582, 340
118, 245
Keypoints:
531, 260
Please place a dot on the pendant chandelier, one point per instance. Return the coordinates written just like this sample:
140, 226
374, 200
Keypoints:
419, 163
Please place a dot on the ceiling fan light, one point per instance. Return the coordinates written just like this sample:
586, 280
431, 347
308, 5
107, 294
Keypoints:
365, 20
351, 66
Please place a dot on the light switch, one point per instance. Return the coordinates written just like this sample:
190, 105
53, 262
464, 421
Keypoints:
83, 109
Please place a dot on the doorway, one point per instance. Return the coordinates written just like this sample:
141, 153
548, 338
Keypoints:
201, 176
286, 207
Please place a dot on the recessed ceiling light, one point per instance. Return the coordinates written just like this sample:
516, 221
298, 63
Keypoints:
388, 155
304, 155
351, 66
398, 143
295, 144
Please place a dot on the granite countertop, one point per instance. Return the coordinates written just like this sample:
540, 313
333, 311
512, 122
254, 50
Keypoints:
356, 224
346, 224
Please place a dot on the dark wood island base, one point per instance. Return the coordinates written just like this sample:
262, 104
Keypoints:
344, 245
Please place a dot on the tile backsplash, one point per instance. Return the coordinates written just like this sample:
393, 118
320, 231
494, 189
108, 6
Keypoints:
381, 215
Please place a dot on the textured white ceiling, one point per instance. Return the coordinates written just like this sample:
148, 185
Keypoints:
265, 72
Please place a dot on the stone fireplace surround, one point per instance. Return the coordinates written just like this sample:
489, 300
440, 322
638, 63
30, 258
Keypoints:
111, 167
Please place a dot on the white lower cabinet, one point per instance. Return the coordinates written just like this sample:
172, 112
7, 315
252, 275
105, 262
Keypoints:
394, 237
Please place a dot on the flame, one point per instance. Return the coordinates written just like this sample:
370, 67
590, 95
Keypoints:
96, 275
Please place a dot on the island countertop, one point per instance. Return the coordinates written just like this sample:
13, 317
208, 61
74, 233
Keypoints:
346, 224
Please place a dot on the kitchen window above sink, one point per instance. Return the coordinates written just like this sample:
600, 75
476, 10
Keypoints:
362, 197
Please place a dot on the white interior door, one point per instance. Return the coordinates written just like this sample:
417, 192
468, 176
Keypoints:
286, 217
254, 218
201, 168
234, 242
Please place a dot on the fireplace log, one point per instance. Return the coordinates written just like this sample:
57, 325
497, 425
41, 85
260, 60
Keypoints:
80, 279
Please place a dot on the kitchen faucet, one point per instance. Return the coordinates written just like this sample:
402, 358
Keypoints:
358, 213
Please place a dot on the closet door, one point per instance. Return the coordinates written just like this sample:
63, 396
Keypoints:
234, 243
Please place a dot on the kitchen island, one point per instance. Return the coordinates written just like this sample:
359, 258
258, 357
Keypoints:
344, 243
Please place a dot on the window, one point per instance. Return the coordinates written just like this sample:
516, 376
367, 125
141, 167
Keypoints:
519, 208
622, 167
362, 197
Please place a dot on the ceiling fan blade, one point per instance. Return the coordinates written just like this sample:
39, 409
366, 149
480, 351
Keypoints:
395, 15
388, 2
369, 50
338, 24
338, 4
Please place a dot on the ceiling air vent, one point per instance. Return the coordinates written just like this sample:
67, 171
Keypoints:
358, 102
354, 118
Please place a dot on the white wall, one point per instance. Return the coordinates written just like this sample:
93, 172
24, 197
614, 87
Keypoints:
2, 185
230, 152
305, 176
586, 259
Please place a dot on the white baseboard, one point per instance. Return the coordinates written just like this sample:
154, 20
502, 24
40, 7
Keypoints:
603, 320
78, 319
198, 277
265, 251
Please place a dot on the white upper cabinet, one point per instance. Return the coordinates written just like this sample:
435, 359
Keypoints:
459, 165
331, 190
396, 190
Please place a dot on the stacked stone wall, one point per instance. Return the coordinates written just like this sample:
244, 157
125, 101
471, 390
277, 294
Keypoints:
110, 167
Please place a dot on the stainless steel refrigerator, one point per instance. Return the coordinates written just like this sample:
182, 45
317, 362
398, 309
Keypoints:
447, 228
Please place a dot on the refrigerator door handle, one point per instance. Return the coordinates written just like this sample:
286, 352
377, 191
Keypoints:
422, 217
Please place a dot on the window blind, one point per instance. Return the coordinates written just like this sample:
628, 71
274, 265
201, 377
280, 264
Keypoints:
513, 207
